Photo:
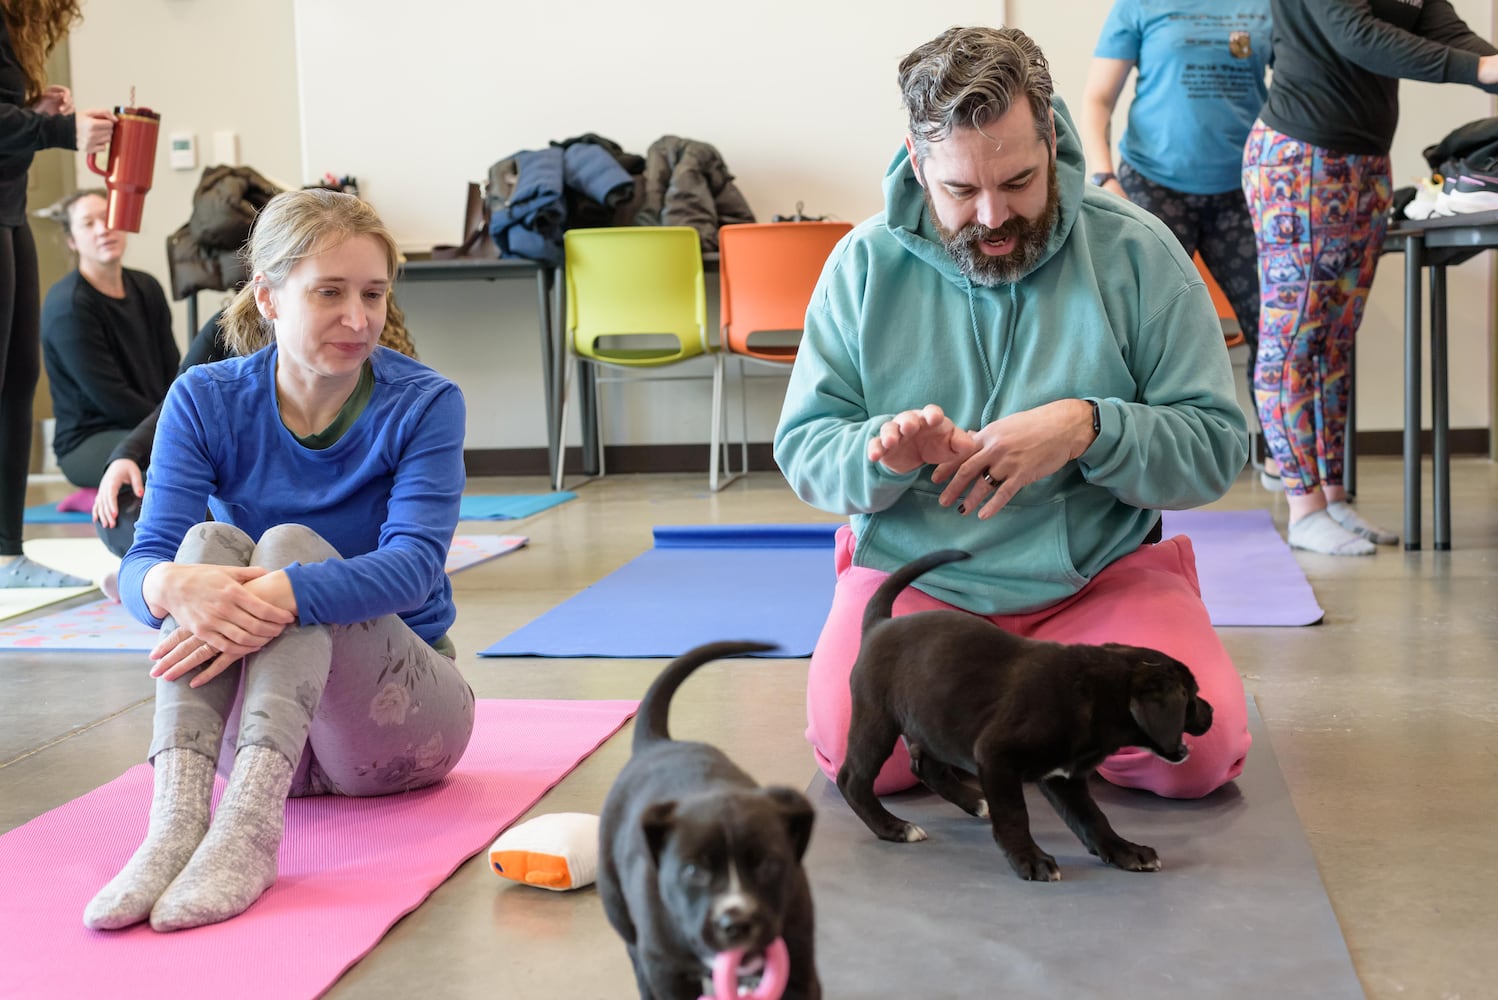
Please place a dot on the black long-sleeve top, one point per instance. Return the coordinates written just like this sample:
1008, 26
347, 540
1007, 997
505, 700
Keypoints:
206, 347
1337, 65
109, 361
22, 133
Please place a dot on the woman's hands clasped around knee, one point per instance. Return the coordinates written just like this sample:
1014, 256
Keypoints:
223, 613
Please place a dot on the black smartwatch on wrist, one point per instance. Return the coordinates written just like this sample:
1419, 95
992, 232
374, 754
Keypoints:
1097, 418
1103, 177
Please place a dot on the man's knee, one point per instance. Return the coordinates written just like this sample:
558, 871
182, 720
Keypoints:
828, 736
1213, 763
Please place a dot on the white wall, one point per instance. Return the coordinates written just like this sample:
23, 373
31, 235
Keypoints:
205, 66
824, 138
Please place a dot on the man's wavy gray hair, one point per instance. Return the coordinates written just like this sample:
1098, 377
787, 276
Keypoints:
969, 77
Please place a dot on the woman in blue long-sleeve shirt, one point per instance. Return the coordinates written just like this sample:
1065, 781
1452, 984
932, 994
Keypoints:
313, 611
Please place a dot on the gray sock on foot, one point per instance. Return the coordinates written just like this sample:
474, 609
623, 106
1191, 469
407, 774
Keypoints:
179, 818
236, 862
23, 572
1347, 516
1319, 533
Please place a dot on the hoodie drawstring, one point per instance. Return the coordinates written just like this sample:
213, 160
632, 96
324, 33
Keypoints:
972, 312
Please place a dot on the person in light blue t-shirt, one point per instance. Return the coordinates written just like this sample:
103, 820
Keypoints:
1200, 86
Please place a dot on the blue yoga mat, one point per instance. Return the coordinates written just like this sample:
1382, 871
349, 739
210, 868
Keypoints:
773, 583
47, 513
766, 583
481, 507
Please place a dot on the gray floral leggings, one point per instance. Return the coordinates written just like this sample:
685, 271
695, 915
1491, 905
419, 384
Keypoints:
362, 709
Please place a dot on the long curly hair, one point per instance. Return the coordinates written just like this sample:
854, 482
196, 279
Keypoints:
36, 26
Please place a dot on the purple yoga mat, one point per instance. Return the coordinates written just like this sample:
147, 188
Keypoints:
350, 868
1248, 574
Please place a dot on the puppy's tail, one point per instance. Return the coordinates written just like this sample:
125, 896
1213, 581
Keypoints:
882, 604
650, 725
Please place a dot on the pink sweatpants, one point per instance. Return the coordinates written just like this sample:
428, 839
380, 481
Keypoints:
1148, 598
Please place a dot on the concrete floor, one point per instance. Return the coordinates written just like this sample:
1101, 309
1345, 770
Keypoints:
1384, 719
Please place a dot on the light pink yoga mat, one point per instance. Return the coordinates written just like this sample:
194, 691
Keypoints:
350, 868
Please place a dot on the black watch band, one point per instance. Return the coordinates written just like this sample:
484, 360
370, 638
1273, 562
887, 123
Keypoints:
1103, 177
1097, 418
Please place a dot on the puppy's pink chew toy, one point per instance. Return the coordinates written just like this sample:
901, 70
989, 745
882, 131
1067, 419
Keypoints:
771, 983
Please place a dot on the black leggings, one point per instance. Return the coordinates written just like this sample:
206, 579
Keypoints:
1217, 226
20, 367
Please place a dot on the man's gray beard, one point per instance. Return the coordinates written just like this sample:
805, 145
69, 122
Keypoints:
1032, 238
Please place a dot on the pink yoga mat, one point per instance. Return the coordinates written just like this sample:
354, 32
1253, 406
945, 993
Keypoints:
350, 868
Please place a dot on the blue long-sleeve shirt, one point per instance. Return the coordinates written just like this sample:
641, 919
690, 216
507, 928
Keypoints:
385, 494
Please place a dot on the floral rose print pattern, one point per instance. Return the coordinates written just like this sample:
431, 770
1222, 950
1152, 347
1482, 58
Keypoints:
389, 705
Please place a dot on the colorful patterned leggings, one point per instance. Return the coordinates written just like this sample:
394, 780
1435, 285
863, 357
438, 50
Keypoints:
1320, 217
362, 709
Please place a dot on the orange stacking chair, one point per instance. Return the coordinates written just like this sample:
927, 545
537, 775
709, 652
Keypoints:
766, 272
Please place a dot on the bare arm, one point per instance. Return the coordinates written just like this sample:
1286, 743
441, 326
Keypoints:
1105, 81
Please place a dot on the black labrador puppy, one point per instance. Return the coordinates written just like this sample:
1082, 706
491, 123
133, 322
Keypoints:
699, 866
972, 699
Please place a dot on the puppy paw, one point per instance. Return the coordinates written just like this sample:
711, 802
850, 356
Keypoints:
900, 832
1130, 857
981, 809
1036, 867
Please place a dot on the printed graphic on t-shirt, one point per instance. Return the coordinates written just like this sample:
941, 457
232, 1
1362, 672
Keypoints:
1221, 79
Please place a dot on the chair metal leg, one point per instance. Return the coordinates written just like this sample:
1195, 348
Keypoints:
743, 421
597, 417
715, 436
561, 429
720, 470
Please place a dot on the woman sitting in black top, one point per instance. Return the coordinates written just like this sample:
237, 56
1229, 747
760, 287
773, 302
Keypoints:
106, 342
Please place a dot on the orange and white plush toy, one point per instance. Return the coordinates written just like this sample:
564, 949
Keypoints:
556, 851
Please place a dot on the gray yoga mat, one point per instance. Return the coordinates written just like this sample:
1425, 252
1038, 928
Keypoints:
1238, 909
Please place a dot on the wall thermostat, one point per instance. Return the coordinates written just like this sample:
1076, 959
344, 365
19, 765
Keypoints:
184, 155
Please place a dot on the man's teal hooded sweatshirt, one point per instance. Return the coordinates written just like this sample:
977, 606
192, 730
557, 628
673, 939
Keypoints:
1114, 311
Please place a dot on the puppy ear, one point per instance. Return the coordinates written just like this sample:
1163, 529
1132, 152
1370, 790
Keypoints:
1158, 705
657, 821
798, 813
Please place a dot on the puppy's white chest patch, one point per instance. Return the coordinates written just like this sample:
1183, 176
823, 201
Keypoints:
1059, 772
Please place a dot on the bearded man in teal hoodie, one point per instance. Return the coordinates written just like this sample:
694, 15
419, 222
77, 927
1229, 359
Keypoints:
1010, 361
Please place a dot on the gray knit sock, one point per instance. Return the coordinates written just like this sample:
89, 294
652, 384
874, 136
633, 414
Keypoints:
1347, 516
1319, 533
179, 818
236, 862
23, 572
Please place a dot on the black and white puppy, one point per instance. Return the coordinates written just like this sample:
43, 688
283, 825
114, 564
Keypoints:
696, 861
972, 699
